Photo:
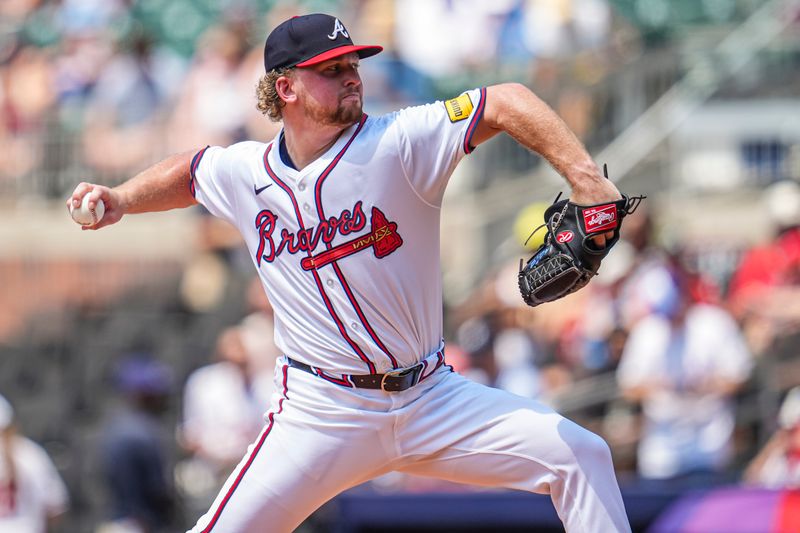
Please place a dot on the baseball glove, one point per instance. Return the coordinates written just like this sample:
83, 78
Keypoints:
569, 258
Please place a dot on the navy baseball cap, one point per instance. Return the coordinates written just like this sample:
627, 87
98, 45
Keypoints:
310, 39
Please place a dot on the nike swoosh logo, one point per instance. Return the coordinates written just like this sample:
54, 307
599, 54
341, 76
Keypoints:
258, 190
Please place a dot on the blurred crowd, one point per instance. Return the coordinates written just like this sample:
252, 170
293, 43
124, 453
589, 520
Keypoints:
100, 88
692, 378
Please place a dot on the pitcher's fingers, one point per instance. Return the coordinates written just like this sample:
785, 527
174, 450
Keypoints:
97, 194
601, 240
77, 195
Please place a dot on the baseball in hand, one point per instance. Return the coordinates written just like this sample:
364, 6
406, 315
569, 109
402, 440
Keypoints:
85, 216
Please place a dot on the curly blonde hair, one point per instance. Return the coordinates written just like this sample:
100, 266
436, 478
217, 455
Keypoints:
267, 99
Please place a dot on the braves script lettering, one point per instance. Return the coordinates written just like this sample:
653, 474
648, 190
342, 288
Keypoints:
307, 239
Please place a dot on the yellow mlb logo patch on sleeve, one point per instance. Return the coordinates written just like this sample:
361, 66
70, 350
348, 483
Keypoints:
458, 108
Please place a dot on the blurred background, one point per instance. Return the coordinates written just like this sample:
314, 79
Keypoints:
137, 361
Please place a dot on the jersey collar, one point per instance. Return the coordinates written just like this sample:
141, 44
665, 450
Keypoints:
319, 164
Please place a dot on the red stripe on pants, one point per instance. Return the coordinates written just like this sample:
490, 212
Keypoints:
253, 454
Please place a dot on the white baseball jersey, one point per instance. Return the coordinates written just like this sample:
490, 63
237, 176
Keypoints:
347, 248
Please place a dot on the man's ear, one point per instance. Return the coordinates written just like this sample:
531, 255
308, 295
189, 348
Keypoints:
284, 86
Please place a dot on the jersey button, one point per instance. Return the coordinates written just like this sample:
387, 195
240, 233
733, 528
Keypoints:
307, 207
354, 325
302, 186
330, 283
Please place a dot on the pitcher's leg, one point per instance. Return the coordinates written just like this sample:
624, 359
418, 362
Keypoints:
302, 458
478, 435
262, 493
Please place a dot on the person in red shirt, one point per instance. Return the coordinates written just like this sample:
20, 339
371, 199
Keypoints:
764, 293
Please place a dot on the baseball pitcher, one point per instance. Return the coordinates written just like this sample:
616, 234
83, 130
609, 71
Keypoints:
340, 213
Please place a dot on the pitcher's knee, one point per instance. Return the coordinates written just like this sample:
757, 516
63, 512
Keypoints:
596, 448
585, 446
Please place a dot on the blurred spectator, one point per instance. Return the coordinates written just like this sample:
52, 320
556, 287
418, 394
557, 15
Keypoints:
25, 99
80, 61
642, 270
258, 331
515, 356
26, 94
249, 72
80, 16
15, 10
476, 337
500, 355
210, 108
223, 408
562, 28
32, 493
777, 465
133, 450
765, 290
440, 38
684, 363
601, 328
126, 106
206, 278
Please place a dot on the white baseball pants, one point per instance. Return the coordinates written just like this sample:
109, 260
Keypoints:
321, 439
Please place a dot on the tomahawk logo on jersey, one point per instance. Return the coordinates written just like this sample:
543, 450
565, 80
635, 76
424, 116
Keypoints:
316, 233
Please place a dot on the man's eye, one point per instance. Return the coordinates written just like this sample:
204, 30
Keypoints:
336, 69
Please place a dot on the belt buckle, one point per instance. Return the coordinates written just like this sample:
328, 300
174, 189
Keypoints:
402, 372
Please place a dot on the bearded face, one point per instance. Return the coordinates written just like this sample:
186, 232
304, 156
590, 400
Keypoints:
344, 112
331, 93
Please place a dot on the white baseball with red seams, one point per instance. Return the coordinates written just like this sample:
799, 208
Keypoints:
347, 250
86, 216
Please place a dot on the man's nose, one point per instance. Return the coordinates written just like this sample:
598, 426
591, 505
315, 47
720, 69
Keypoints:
352, 78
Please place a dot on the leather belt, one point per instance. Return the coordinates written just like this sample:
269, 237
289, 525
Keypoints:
394, 381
